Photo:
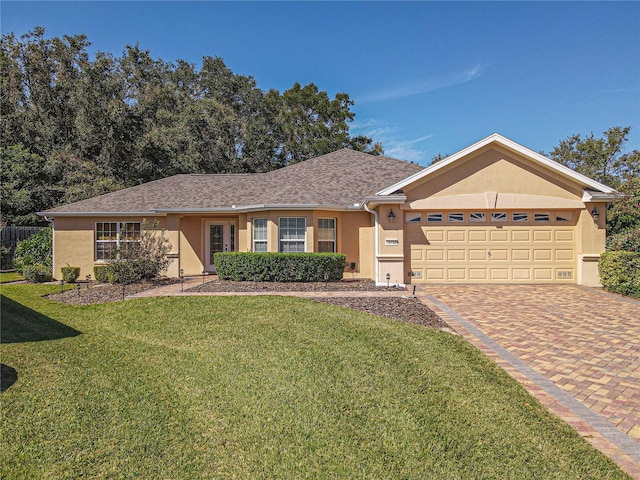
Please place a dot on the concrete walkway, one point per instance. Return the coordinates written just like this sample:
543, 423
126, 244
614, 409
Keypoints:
577, 350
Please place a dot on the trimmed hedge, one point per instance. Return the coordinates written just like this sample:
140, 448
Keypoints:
37, 273
70, 274
280, 267
620, 272
101, 273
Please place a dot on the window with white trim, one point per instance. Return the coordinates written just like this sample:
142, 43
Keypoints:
413, 217
327, 235
259, 234
434, 217
292, 233
114, 236
455, 217
477, 217
520, 217
498, 217
541, 217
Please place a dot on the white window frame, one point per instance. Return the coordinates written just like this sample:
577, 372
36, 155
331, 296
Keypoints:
435, 217
333, 241
118, 241
260, 242
542, 217
290, 241
477, 217
519, 217
499, 217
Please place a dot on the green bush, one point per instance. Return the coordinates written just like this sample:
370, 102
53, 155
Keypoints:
37, 273
100, 273
628, 241
70, 274
620, 272
280, 267
35, 250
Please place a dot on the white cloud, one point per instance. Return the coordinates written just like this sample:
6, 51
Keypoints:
424, 86
389, 136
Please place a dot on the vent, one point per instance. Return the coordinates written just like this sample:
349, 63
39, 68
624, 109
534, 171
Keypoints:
391, 242
564, 274
416, 274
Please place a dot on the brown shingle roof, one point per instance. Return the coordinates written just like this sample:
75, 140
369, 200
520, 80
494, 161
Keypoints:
341, 179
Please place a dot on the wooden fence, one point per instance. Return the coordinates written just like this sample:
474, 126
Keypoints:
9, 238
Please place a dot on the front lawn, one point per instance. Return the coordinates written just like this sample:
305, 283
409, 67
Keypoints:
6, 277
262, 387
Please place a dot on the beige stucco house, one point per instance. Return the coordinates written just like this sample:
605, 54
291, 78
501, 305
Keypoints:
495, 212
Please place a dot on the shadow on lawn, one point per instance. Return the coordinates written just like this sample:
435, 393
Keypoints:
8, 376
22, 324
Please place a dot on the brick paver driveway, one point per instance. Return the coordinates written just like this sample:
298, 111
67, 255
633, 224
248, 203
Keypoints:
576, 349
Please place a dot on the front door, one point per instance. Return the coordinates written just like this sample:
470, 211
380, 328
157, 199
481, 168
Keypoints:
220, 236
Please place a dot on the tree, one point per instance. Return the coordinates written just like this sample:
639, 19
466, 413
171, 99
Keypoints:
602, 159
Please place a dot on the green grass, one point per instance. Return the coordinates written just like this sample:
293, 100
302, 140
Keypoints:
262, 387
6, 277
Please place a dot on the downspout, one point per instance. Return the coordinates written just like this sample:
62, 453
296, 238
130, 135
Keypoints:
376, 242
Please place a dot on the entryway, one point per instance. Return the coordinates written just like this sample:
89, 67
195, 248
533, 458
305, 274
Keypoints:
220, 236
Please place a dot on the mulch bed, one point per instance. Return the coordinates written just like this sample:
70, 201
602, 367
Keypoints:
342, 286
407, 309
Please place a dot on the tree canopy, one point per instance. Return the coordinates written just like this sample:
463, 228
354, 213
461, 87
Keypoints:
72, 126
605, 160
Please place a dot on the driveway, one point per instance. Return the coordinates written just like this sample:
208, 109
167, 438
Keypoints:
576, 349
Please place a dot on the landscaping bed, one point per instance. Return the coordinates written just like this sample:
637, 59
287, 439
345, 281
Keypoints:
406, 309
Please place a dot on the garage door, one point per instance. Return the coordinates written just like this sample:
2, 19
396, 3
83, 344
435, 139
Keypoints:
538, 249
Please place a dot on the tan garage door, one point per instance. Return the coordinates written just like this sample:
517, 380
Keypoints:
505, 253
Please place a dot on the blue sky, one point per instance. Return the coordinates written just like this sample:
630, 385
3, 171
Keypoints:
427, 77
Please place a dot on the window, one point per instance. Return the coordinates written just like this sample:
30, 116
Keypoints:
259, 234
477, 217
327, 235
111, 236
434, 217
456, 217
292, 232
541, 217
563, 217
521, 217
413, 218
498, 217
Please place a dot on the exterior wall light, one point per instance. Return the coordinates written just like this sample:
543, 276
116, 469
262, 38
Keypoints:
595, 214
388, 278
391, 216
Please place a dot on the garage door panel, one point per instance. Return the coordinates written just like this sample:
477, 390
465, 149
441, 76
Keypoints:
456, 255
564, 235
498, 236
542, 235
500, 253
477, 255
478, 236
521, 255
435, 255
541, 255
521, 236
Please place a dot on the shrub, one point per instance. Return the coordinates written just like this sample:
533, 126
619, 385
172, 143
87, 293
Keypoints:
37, 273
628, 241
35, 250
620, 272
100, 273
141, 260
280, 267
70, 274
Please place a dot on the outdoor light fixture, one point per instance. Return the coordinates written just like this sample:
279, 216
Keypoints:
204, 272
391, 216
388, 278
595, 214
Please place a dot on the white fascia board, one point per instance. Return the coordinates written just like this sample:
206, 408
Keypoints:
511, 145
383, 200
100, 214
591, 196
